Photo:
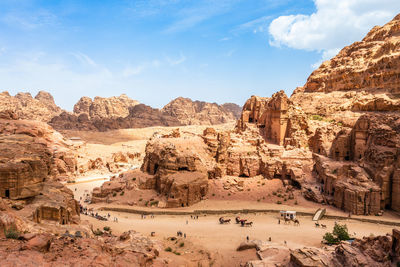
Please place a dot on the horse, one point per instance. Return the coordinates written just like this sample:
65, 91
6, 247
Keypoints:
323, 225
287, 221
296, 222
248, 224
316, 224
222, 221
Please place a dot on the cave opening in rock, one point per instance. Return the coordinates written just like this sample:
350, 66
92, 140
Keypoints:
296, 184
244, 175
183, 169
250, 120
155, 168
7, 193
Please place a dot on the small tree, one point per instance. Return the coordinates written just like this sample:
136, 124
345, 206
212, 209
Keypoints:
330, 238
341, 232
338, 234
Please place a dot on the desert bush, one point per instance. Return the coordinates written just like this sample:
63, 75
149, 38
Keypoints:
317, 117
106, 228
341, 232
330, 238
98, 232
11, 233
168, 249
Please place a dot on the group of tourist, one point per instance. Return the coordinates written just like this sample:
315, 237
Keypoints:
143, 216
180, 234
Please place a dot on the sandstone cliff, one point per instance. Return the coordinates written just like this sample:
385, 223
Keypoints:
41, 108
364, 76
31, 152
190, 112
100, 107
139, 116
352, 102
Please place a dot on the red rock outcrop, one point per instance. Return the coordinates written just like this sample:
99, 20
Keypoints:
31, 152
69, 250
364, 76
190, 112
139, 116
100, 107
24, 106
369, 251
278, 119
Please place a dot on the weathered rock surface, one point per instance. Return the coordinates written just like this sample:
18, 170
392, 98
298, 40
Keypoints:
24, 106
100, 107
364, 76
190, 112
102, 114
139, 116
67, 250
279, 120
369, 251
31, 152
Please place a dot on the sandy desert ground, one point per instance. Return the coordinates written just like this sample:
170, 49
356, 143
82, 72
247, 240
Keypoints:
223, 240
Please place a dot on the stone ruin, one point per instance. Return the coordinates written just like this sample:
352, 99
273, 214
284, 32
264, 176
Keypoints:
57, 213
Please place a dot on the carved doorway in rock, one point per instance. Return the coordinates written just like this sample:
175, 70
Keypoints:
7, 193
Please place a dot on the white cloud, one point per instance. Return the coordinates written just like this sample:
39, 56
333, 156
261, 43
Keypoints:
84, 59
230, 53
2, 50
136, 70
31, 20
256, 25
132, 71
174, 62
334, 25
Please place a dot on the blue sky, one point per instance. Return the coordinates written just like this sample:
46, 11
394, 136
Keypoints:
157, 50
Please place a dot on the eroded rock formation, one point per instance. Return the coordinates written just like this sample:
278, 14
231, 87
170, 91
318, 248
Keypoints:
101, 107
31, 152
190, 112
24, 106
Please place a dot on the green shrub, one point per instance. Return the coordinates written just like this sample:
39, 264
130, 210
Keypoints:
140, 199
330, 238
168, 249
274, 193
338, 234
154, 203
181, 244
122, 193
317, 117
114, 194
11, 233
134, 179
341, 232
177, 253
279, 202
98, 232
106, 228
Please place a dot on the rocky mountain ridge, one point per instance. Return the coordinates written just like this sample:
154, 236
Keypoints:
117, 112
